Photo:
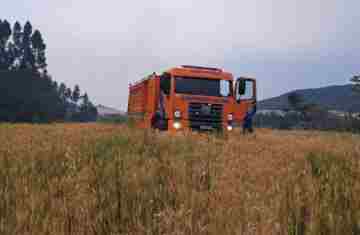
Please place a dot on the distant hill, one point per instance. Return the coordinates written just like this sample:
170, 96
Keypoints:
340, 98
107, 111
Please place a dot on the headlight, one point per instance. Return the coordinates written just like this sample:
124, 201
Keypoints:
230, 117
177, 114
177, 125
229, 128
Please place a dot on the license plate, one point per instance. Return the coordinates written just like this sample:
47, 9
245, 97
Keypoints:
206, 127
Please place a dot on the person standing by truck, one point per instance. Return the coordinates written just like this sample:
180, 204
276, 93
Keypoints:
159, 118
248, 120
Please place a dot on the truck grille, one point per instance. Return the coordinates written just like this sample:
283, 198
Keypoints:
205, 117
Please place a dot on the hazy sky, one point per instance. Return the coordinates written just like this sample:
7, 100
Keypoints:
105, 45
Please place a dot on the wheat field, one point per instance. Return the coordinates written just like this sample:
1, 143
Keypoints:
111, 179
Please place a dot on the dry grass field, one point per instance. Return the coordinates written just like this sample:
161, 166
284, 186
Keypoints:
104, 179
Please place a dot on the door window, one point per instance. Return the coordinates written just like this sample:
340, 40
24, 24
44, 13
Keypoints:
245, 90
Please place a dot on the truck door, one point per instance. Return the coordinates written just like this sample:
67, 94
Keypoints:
245, 96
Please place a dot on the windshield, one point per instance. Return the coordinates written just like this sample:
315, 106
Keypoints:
202, 86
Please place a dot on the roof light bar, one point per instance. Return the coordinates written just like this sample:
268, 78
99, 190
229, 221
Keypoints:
201, 67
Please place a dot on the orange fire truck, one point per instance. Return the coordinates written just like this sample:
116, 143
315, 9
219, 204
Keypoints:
191, 98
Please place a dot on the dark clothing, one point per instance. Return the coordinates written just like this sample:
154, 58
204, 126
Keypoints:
247, 122
159, 120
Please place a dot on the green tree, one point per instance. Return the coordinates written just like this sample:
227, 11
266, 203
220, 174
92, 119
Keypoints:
298, 104
85, 99
88, 112
5, 33
27, 92
28, 60
76, 94
355, 122
55, 85
5, 56
38, 51
17, 40
355, 80
61, 92
296, 101
68, 94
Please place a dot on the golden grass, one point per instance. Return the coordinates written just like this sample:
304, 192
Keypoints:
107, 179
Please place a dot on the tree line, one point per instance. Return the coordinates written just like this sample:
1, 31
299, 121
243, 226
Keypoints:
27, 91
304, 115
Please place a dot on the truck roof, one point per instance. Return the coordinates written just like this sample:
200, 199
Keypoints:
191, 71
198, 71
